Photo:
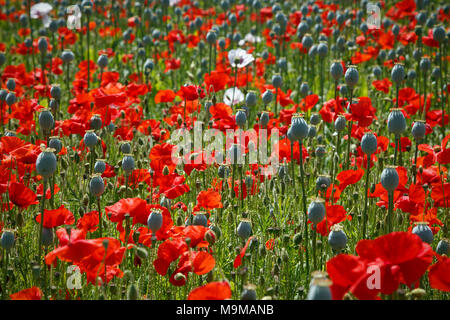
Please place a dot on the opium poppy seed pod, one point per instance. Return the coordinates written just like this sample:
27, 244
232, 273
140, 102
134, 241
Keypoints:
200, 219
320, 151
277, 81
307, 41
241, 118
11, 84
299, 127
304, 89
316, 211
249, 292
128, 163
376, 71
47, 236
7, 240
398, 73
102, 61
125, 147
340, 123
267, 97
100, 166
369, 143
55, 91
211, 37
322, 49
2, 59
425, 64
439, 34
389, 178
46, 163
336, 70
314, 119
396, 121
244, 229
55, 143
418, 130
90, 139
323, 182
443, 247
351, 76
312, 132
155, 220
10, 98
67, 56
337, 239
97, 185
251, 99
423, 231
42, 45
264, 119
96, 122
319, 290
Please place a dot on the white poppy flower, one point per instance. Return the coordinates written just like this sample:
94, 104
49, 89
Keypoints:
239, 58
252, 39
173, 2
233, 96
41, 10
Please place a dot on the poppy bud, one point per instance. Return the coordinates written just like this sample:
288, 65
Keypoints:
165, 171
133, 292
179, 277
141, 252
439, 34
210, 236
125, 147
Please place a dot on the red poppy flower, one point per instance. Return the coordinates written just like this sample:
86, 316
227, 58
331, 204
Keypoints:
57, 217
33, 293
211, 291
164, 96
382, 85
161, 156
21, 195
238, 259
191, 92
439, 274
348, 177
398, 257
88, 222
208, 200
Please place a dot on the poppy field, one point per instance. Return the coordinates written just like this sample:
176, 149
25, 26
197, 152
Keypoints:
226, 149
